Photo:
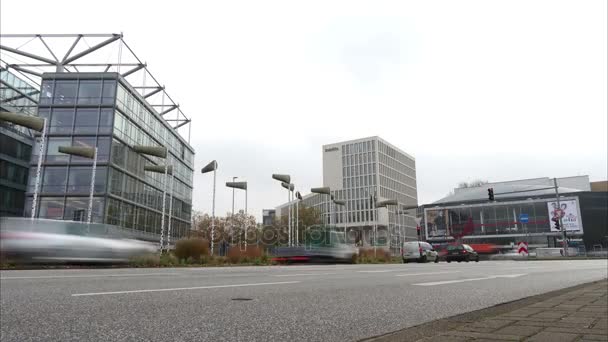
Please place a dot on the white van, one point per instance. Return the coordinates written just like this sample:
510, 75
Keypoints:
419, 251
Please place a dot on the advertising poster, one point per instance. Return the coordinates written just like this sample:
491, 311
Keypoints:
568, 211
437, 222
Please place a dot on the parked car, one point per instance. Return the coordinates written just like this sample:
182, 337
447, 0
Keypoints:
419, 251
461, 253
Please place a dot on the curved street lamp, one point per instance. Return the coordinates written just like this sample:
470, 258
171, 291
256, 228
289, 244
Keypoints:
324, 191
241, 186
381, 204
85, 152
37, 124
212, 166
290, 187
298, 199
286, 179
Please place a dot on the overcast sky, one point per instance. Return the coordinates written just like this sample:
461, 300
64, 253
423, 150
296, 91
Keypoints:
493, 90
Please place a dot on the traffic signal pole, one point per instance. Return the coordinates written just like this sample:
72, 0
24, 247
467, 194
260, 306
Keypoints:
561, 225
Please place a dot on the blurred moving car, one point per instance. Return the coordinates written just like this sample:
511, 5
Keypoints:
460, 253
419, 251
32, 247
320, 245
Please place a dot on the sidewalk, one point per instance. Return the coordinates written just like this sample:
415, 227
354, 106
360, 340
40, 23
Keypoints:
579, 313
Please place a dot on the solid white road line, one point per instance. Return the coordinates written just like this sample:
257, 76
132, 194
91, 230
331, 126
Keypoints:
302, 274
425, 273
378, 271
182, 288
89, 276
434, 283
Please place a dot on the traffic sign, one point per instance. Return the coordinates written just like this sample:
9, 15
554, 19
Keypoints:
523, 218
522, 248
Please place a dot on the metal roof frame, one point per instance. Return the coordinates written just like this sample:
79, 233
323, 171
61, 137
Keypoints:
73, 53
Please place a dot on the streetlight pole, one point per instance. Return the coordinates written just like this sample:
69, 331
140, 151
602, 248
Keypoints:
212, 166
160, 152
561, 225
86, 152
298, 199
90, 211
284, 179
232, 216
39, 168
242, 186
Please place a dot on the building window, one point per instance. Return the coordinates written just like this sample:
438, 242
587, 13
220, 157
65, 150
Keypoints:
105, 121
89, 92
46, 96
53, 154
65, 92
109, 91
51, 208
86, 120
54, 179
62, 120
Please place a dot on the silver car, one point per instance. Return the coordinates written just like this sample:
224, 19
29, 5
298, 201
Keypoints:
418, 251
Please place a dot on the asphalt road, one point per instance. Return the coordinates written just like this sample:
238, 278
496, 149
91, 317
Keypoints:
277, 303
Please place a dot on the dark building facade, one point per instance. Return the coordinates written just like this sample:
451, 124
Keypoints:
103, 110
17, 96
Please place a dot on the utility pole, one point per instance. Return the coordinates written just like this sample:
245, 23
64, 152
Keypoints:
561, 225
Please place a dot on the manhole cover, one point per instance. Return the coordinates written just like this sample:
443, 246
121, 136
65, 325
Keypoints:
242, 298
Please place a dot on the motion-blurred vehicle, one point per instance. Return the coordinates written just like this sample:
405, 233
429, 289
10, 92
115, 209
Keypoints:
418, 251
460, 253
321, 245
31, 247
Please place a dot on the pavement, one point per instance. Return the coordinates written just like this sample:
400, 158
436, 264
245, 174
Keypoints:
288, 303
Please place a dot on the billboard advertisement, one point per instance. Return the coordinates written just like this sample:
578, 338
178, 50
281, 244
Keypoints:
437, 222
568, 211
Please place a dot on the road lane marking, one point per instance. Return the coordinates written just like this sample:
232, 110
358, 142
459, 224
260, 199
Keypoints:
434, 283
378, 271
301, 274
89, 276
182, 288
425, 273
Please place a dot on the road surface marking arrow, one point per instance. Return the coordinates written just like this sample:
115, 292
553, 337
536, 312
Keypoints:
434, 283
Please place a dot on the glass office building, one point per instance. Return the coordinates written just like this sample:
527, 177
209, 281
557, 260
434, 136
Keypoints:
16, 96
101, 109
356, 169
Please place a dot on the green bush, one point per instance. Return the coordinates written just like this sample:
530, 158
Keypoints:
146, 260
168, 260
191, 250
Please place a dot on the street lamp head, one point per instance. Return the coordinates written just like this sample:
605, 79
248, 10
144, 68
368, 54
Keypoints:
237, 185
157, 151
281, 178
287, 186
324, 190
159, 169
385, 203
340, 202
86, 152
28, 121
210, 167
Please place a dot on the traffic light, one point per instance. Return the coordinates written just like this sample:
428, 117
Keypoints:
491, 194
418, 231
556, 222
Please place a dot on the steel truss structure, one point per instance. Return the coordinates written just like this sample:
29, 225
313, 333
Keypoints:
31, 55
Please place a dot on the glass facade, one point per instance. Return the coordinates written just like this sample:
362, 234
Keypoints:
101, 110
497, 222
16, 96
